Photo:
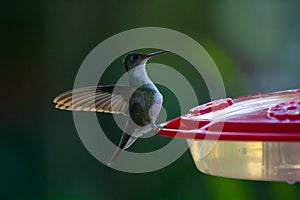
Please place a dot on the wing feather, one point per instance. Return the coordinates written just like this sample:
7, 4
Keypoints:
112, 99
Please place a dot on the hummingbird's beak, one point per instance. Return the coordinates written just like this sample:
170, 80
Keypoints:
150, 55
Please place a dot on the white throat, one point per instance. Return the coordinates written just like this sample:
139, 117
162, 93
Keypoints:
138, 76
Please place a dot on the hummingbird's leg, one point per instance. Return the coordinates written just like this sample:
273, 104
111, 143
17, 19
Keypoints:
155, 128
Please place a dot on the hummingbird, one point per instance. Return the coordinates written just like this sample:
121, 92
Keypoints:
140, 101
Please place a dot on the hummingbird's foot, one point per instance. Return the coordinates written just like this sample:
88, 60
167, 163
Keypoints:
161, 126
156, 128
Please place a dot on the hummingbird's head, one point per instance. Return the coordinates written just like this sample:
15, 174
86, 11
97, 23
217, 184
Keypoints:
134, 59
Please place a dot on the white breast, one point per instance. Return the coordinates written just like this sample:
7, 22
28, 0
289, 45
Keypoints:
138, 76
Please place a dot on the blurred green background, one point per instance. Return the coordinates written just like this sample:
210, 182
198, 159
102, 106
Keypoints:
255, 45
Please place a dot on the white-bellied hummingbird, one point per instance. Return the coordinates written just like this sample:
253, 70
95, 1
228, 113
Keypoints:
141, 101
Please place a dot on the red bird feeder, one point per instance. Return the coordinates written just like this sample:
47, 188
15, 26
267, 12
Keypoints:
254, 137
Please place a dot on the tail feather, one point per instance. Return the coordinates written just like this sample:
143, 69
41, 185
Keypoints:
129, 142
114, 156
126, 142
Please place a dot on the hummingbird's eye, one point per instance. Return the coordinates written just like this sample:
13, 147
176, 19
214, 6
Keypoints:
134, 57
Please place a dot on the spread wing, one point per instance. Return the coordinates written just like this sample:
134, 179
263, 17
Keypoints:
110, 99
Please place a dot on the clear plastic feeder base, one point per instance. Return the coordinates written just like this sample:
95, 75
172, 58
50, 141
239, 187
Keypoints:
269, 161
